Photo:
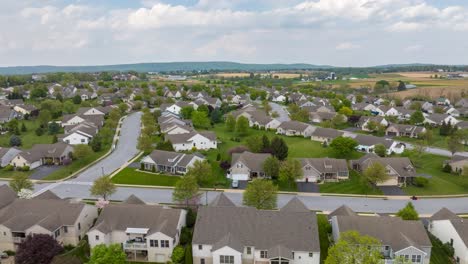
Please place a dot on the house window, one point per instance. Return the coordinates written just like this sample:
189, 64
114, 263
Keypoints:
164, 243
82, 140
57, 233
249, 250
79, 226
200, 247
418, 258
451, 241
65, 229
202, 261
311, 254
154, 243
387, 248
97, 238
263, 254
226, 259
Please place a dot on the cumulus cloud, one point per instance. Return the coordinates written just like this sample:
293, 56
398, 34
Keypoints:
74, 32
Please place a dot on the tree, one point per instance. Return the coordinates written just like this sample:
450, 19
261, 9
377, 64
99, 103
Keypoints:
371, 125
401, 86
37, 249
216, 116
54, 128
271, 167
255, 143
242, 126
261, 194
279, 148
376, 173
266, 106
230, 123
345, 111
380, 150
185, 190
201, 170
68, 107
417, 118
81, 150
23, 127
343, 146
290, 170
44, 117
103, 254
178, 254
453, 143
408, 212
104, 187
145, 143
21, 181
96, 143
353, 247
338, 120
15, 141
200, 119
76, 99
266, 144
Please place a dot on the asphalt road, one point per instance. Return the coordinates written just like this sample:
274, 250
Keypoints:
125, 150
283, 114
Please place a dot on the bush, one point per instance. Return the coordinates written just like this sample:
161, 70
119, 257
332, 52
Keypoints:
421, 182
447, 168
39, 131
15, 141
142, 166
25, 168
190, 218
66, 161
185, 236
9, 167
218, 157
188, 255
178, 254
153, 168
10, 252
225, 165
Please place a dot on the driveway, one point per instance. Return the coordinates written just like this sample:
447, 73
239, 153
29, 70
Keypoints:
43, 171
308, 187
392, 190
283, 114
125, 150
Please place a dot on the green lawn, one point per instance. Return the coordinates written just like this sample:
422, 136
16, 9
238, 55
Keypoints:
11, 174
441, 182
28, 138
132, 176
438, 141
355, 185
324, 229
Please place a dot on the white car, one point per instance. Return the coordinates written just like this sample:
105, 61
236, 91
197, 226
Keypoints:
235, 184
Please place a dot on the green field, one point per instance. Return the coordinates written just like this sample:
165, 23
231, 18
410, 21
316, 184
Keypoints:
28, 138
438, 141
132, 176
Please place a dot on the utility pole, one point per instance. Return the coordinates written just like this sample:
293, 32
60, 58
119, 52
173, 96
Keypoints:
102, 170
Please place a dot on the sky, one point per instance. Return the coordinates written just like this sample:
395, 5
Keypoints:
323, 32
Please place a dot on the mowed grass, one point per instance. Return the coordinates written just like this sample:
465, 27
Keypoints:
132, 176
441, 182
354, 185
11, 174
28, 138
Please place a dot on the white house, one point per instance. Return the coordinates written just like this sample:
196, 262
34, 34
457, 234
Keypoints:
452, 229
169, 162
295, 128
146, 232
193, 140
247, 165
226, 234
279, 98
439, 119
367, 143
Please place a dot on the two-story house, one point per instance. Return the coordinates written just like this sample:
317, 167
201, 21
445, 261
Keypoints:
193, 140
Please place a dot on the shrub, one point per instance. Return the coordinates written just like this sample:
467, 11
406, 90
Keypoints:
447, 168
15, 141
188, 256
225, 165
9, 167
10, 252
190, 218
66, 161
25, 168
185, 236
178, 254
153, 168
39, 131
421, 181
142, 166
218, 157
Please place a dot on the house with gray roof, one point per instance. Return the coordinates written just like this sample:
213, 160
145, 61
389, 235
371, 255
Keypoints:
452, 229
65, 220
399, 238
367, 143
295, 128
402, 130
325, 134
41, 154
194, 140
6, 155
169, 162
399, 169
81, 133
229, 234
323, 169
247, 165
146, 232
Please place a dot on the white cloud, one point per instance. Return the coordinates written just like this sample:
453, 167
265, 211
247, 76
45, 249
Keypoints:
347, 46
414, 48
406, 26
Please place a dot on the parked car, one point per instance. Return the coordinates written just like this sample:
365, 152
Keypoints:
3, 255
235, 184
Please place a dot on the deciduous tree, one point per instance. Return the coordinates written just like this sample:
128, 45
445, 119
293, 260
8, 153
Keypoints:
185, 190
104, 187
343, 146
290, 170
201, 170
376, 173
242, 126
81, 150
271, 167
38, 249
103, 254
19, 182
408, 212
261, 194
353, 247
230, 123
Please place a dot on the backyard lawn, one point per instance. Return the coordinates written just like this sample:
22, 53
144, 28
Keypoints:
28, 138
132, 176
355, 185
11, 174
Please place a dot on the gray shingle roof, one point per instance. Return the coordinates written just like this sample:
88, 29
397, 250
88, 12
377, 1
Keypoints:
222, 200
324, 165
7, 195
171, 159
295, 206
461, 226
444, 214
253, 161
393, 231
343, 210
368, 140
183, 138
294, 125
327, 132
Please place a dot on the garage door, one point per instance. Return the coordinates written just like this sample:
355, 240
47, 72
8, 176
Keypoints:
160, 258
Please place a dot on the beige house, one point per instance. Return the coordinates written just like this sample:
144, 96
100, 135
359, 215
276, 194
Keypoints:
457, 163
65, 220
295, 128
247, 165
41, 154
146, 232
325, 134
323, 169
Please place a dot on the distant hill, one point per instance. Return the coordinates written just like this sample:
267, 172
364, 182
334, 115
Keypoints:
161, 67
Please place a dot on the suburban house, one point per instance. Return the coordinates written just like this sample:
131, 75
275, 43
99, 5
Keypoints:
6, 155
399, 238
193, 140
146, 232
26, 109
458, 163
295, 128
7, 114
174, 128
75, 119
400, 130
226, 234
364, 107
323, 169
318, 117
175, 108
257, 118
400, 170
325, 134
65, 220
439, 119
81, 133
247, 165
452, 229
40, 154
98, 110
169, 162
173, 119
367, 143
376, 120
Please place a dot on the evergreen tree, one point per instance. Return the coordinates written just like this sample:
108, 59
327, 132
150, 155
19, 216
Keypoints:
279, 148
